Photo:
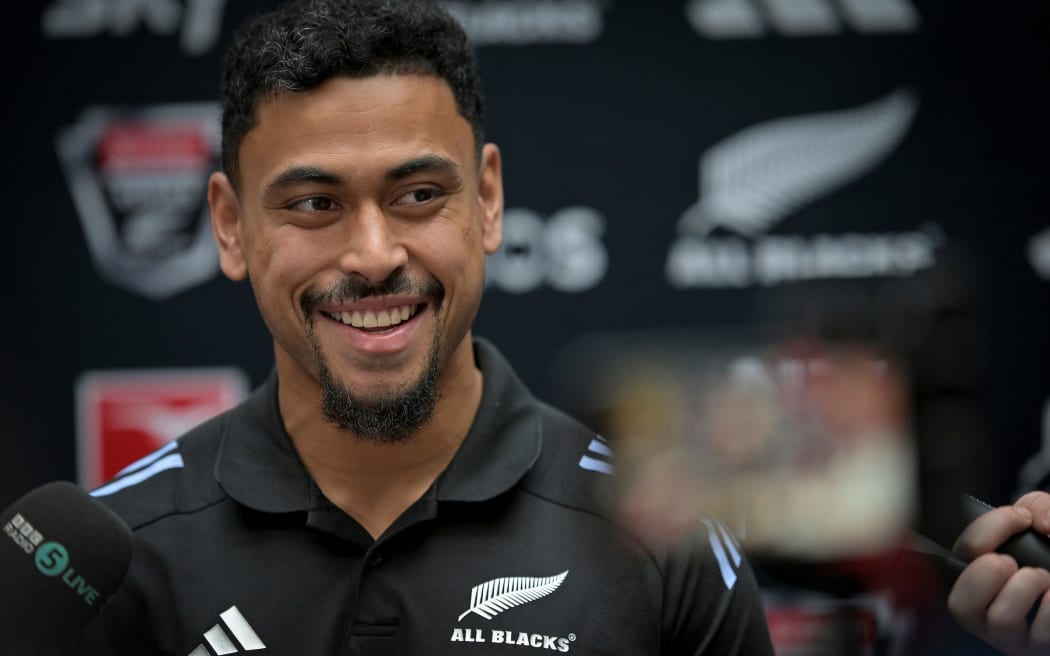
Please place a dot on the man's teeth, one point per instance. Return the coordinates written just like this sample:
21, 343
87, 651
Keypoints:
370, 319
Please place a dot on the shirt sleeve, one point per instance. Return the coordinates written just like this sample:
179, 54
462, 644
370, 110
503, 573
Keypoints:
712, 601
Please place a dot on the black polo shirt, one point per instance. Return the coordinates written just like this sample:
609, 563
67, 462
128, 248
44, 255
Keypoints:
506, 554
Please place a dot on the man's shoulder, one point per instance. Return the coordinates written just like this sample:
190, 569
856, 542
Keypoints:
177, 478
575, 462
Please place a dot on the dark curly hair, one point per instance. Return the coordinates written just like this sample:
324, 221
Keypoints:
304, 43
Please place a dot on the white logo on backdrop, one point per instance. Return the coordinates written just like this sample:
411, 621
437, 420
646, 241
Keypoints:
196, 21
139, 179
565, 252
517, 22
748, 19
1039, 253
752, 180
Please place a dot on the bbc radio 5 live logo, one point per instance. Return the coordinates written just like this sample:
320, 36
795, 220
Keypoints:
139, 178
51, 558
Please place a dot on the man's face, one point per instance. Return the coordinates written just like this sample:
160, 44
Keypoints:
363, 219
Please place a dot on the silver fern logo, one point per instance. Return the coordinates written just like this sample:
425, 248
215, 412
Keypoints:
754, 179
493, 597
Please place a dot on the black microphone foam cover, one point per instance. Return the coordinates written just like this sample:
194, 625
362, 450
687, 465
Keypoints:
62, 556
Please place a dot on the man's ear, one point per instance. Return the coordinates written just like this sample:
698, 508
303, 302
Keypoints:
226, 226
490, 195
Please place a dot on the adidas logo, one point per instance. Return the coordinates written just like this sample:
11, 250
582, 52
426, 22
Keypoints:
750, 19
218, 642
598, 457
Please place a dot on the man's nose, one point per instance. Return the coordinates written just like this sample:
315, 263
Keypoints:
371, 249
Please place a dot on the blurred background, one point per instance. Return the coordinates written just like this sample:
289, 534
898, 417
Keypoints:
743, 232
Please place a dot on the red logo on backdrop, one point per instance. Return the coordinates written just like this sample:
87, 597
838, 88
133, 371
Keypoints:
139, 179
125, 415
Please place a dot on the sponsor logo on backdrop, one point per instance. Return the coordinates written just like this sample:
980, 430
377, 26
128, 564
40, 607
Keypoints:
197, 22
1039, 253
750, 19
123, 416
755, 179
139, 178
526, 22
494, 597
564, 252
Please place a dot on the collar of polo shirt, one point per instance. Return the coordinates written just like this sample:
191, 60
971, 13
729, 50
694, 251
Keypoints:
259, 467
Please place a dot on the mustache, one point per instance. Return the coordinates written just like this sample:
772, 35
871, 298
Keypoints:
356, 289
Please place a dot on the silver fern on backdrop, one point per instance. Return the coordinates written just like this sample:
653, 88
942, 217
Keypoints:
753, 179
493, 597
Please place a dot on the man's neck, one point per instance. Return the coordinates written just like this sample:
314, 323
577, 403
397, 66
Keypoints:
373, 482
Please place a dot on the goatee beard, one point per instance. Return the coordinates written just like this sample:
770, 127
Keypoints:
394, 417
390, 419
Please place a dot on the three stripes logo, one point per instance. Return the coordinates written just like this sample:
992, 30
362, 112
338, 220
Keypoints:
725, 550
218, 640
750, 19
598, 457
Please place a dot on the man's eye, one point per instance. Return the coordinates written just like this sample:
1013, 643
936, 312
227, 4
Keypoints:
313, 204
418, 196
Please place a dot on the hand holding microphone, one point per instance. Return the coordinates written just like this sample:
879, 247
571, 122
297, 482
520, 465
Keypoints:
1003, 595
62, 556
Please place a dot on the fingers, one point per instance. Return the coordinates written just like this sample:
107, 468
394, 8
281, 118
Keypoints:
1040, 631
976, 589
992, 599
1038, 503
1007, 615
986, 533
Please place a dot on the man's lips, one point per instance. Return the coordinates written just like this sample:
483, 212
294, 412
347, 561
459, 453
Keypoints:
375, 318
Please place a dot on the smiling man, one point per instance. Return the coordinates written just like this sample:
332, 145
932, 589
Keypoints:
392, 488
362, 213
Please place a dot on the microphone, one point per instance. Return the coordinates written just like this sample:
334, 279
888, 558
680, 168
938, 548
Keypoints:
1029, 549
62, 556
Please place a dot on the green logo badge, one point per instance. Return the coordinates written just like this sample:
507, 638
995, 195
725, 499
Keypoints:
51, 558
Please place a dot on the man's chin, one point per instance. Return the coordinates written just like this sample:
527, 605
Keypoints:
382, 412
387, 405
374, 392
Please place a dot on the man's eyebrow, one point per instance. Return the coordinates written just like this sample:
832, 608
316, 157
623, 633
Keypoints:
425, 164
303, 174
